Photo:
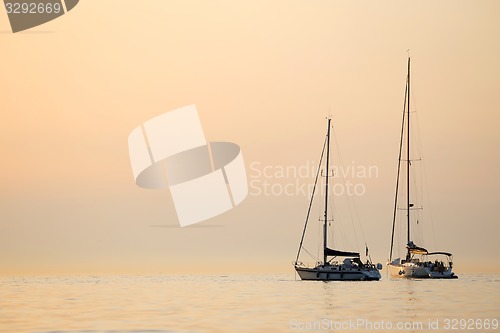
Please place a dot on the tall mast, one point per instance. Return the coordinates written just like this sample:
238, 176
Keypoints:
408, 158
326, 192
400, 156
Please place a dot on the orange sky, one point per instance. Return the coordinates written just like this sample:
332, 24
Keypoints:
263, 75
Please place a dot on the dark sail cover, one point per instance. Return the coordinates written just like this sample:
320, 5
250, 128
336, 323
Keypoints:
444, 253
415, 249
337, 253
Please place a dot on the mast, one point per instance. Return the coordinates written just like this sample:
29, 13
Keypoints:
325, 228
401, 141
408, 159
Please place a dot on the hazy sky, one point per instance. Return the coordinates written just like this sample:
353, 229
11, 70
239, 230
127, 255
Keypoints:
263, 74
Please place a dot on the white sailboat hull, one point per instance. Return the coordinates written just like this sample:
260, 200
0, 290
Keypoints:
408, 271
411, 270
321, 273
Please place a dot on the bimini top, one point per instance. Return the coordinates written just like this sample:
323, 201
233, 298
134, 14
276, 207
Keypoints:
337, 253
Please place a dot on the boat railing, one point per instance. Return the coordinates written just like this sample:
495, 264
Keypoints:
333, 264
311, 264
307, 264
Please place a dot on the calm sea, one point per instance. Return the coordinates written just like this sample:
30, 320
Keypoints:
243, 303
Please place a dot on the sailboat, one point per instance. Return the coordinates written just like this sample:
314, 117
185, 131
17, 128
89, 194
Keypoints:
351, 268
419, 262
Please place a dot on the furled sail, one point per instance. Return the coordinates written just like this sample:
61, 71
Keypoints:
416, 249
443, 253
337, 253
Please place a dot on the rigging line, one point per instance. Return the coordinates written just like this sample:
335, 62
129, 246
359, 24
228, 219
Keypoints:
419, 227
400, 234
349, 203
425, 185
332, 218
399, 171
343, 236
416, 177
319, 227
310, 203
417, 138
311, 255
415, 192
339, 227
429, 209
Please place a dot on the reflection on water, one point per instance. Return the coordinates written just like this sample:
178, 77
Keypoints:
260, 303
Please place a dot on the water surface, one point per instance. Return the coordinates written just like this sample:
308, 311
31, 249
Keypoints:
246, 303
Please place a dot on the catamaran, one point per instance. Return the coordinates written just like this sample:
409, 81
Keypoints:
419, 262
351, 268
